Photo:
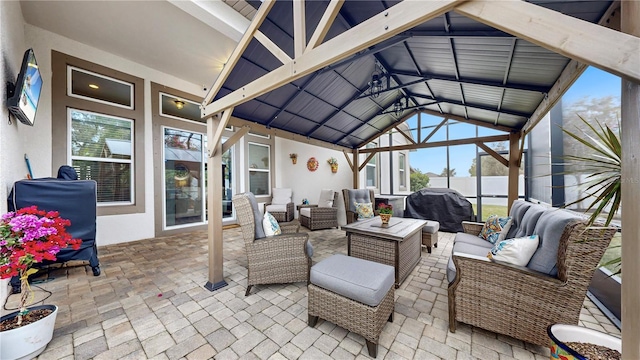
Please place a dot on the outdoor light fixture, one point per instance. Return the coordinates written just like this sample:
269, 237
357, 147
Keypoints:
398, 106
376, 84
179, 104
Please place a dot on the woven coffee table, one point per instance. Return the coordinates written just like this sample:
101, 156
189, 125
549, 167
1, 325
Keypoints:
398, 244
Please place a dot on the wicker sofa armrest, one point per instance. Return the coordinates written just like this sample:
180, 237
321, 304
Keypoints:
323, 210
472, 228
306, 206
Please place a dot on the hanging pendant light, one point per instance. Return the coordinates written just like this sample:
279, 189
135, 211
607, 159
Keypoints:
376, 85
398, 106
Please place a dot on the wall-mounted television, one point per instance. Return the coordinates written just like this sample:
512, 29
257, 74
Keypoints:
23, 96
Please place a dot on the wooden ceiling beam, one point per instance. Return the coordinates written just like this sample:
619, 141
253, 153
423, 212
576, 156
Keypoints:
494, 138
593, 44
325, 24
272, 47
493, 153
258, 18
390, 22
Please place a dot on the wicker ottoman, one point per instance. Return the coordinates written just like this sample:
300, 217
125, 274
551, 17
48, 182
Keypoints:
353, 293
430, 234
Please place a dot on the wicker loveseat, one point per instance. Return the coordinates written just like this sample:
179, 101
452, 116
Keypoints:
522, 301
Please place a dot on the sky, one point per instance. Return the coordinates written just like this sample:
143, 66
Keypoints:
592, 83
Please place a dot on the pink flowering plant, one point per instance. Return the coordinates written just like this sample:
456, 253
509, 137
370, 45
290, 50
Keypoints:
29, 236
385, 209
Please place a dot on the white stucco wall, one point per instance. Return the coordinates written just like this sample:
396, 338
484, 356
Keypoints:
307, 184
14, 137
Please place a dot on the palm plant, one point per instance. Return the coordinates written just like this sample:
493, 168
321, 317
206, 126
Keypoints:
603, 186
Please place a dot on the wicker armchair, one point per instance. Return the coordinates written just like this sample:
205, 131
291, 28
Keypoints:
273, 259
360, 195
519, 302
281, 206
321, 216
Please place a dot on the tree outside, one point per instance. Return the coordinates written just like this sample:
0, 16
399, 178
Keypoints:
448, 172
418, 180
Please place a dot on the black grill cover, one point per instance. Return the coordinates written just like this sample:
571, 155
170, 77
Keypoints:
74, 200
446, 206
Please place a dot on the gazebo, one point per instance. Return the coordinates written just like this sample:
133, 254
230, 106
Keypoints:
502, 65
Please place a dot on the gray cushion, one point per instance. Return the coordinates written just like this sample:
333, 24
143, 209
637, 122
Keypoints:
431, 227
358, 196
257, 216
529, 221
518, 209
361, 280
550, 227
308, 248
472, 240
464, 248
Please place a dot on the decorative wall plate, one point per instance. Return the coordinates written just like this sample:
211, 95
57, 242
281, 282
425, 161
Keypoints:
312, 164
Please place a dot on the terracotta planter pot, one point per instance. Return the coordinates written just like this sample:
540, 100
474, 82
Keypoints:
334, 168
385, 218
561, 334
294, 161
27, 342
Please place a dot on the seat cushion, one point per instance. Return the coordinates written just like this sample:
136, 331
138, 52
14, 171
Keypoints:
305, 212
471, 239
431, 227
468, 249
358, 196
257, 216
326, 198
280, 196
529, 220
276, 208
361, 280
549, 227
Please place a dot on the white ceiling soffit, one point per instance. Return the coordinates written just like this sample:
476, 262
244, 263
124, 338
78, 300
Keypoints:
217, 15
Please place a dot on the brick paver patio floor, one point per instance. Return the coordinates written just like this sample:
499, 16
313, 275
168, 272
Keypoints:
150, 303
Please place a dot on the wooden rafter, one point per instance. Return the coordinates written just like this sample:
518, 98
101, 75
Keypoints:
444, 121
262, 129
469, 121
217, 135
398, 18
369, 157
493, 138
299, 28
325, 24
384, 131
272, 47
258, 18
596, 45
242, 131
409, 138
346, 156
493, 153
569, 75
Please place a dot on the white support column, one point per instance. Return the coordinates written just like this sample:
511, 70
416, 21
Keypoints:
214, 207
630, 23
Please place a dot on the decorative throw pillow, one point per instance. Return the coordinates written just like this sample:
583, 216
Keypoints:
364, 210
517, 251
270, 225
495, 229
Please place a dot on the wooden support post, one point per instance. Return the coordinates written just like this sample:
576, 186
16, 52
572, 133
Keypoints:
214, 208
356, 172
514, 169
630, 23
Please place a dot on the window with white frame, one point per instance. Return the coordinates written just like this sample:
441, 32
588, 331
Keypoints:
102, 150
401, 167
259, 169
371, 173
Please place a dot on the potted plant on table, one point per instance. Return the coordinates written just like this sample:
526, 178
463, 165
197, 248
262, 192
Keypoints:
29, 236
385, 212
